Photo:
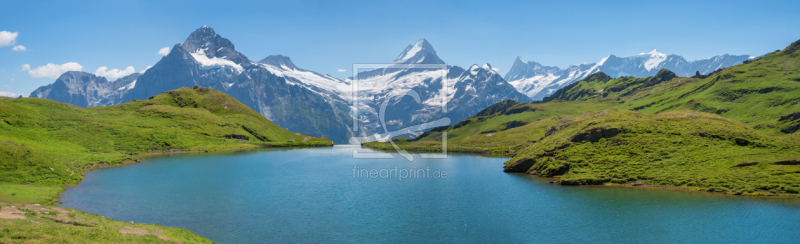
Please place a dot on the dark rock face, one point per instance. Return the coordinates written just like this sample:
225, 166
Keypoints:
85, 89
520, 166
594, 135
213, 45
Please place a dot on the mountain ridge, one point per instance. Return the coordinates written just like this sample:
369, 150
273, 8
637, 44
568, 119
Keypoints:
539, 81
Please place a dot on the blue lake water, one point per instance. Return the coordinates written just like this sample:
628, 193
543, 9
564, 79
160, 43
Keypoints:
326, 195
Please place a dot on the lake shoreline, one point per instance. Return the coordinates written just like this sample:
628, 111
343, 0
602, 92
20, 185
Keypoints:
557, 180
175, 232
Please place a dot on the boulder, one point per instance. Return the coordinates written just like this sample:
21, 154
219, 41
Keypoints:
520, 166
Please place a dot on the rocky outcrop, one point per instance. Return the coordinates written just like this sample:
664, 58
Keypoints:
519, 166
594, 135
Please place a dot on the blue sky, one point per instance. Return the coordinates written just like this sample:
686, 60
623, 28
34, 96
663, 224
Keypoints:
326, 36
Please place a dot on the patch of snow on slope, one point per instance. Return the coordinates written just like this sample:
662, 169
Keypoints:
474, 69
293, 76
129, 86
411, 52
655, 59
200, 57
533, 85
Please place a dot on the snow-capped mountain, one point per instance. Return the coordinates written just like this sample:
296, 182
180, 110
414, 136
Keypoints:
538, 81
208, 60
420, 53
86, 90
301, 100
465, 92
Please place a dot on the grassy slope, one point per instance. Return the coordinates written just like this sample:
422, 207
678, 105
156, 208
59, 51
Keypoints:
51, 224
763, 94
725, 155
46, 144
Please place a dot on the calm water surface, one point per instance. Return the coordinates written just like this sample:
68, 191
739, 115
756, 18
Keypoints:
313, 195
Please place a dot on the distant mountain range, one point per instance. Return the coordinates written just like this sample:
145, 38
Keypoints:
87, 90
539, 81
299, 100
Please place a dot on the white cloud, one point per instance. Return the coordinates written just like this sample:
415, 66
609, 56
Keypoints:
164, 51
54, 70
19, 48
145, 69
341, 70
114, 73
8, 38
9, 94
26, 67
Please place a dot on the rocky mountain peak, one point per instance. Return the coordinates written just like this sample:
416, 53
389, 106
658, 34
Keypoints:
278, 61
420, 53
206, 41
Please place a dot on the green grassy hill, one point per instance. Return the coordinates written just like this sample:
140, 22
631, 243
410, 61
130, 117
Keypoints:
43, 142
670, 131
45, 145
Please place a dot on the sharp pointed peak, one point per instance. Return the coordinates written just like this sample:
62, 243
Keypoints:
420, 52
423, 41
